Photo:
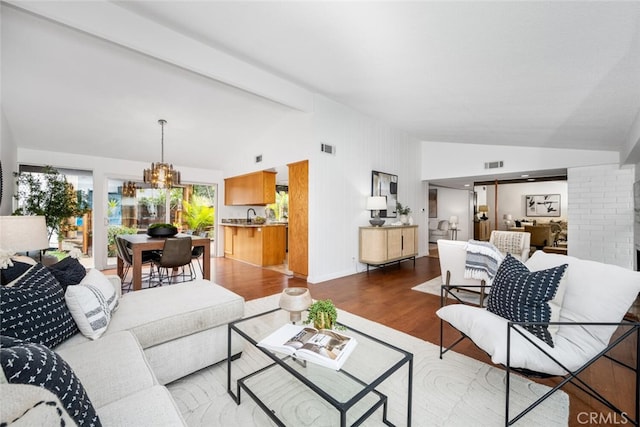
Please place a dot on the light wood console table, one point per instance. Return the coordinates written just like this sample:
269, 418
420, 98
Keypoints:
380, 246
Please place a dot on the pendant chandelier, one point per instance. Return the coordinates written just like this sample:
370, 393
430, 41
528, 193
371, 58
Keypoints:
129, 189
162, 175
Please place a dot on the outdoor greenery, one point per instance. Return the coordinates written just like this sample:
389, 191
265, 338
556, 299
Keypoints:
198, 215
112, 232
49, 194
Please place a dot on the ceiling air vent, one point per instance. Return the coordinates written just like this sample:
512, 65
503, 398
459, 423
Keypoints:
326, 148
493, 165
258, 158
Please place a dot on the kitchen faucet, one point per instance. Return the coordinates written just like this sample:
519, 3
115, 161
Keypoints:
254, 214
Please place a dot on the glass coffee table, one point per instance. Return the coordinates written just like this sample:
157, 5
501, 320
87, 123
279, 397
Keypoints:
287, 389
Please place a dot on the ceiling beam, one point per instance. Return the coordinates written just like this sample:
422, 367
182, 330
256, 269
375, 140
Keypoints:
115, 24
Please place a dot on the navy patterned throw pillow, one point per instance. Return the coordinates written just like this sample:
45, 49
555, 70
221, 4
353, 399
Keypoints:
35, 364
520, 295
9, 274
33, 309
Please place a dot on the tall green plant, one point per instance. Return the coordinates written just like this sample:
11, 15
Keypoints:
198, 214
48, 194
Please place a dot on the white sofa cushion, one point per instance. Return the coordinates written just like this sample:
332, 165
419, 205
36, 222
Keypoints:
595, 292
110, 368
163, 314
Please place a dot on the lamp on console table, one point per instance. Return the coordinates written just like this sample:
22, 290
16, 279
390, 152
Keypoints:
23, 233
376, 204
484, 209
453, 222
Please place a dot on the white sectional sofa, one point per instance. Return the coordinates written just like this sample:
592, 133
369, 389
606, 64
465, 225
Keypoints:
154, 337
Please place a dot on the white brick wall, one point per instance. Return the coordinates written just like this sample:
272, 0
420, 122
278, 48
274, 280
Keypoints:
600, 214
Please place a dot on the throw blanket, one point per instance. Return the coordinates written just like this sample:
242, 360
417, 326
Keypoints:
482, 261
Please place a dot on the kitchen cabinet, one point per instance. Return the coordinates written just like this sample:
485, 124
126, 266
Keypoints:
384, 245
253, 189
260, 245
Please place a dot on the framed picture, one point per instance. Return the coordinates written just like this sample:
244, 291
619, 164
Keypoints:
386, 185
542, 205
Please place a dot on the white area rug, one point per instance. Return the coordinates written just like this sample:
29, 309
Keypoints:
454, 391
433, 287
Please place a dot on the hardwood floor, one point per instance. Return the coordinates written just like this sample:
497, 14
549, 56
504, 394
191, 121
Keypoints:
385, 296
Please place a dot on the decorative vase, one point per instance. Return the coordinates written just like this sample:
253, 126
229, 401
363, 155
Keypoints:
404, 219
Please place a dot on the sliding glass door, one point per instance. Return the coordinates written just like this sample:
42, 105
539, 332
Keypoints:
132, 207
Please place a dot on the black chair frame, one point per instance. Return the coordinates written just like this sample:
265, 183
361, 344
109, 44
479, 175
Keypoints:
631, 329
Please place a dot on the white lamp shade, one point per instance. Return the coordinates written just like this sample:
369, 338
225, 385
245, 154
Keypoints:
453, 220
507, 217
23, 233
376, 203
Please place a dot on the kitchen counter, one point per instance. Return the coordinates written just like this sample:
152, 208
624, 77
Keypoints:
257, 244
266, 224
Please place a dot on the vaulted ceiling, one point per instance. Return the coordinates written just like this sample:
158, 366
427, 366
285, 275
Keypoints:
540, 73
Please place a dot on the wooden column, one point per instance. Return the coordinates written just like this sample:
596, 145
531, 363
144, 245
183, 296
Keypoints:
299, 218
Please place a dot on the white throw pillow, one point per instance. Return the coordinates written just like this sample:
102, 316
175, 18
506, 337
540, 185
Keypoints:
91, 303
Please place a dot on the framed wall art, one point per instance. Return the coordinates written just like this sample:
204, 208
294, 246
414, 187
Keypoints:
386, 185
542, 205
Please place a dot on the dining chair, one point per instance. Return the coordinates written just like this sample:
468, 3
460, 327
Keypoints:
125, 254
176, 253
196, 253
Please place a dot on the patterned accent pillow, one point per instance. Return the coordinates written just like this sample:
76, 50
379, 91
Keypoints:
9, 274
35, 364
68, 271
33, 309
91, 303
523, 296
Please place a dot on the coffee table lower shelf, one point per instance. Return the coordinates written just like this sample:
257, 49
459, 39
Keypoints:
365, 407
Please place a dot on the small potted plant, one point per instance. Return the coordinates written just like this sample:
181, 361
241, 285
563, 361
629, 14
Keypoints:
404, 212
323, 314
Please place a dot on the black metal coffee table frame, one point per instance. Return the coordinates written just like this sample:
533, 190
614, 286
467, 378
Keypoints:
342, 407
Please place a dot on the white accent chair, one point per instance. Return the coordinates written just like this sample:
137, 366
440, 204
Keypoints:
452, 255
594, 300
517, 243
438, 229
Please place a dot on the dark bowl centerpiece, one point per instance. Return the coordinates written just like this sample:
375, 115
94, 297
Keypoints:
162, 230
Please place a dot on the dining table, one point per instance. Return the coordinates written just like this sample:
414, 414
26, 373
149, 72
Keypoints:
139, 243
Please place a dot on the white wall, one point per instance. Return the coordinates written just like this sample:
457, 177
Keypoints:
511, 200
448, 160
339, 185
601, 214
8, 156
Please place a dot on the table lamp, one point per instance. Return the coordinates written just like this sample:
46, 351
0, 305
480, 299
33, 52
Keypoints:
453, 222
376, 204
23, 233
484, 209
507, 220
295, 301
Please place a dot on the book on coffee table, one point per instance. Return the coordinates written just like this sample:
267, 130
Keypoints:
324, 346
